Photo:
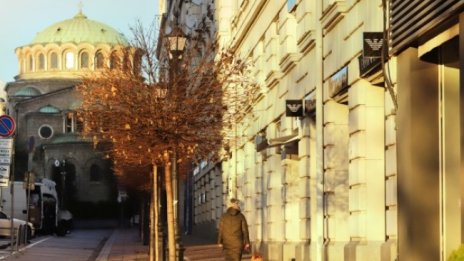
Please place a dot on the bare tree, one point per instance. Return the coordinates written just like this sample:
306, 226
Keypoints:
150, 115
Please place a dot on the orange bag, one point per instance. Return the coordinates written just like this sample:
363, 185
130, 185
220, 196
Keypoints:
257, 257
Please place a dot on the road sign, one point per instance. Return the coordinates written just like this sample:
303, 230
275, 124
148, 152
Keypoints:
4, 182
6, 143
6, 148
7, 126
5, 158
4, 175
4, 171
5, 152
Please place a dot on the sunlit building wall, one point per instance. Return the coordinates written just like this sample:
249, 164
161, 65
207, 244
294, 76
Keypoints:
334, 198
376, 173
429, 46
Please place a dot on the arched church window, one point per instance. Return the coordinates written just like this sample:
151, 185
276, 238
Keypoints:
69, 60
31, 63
99, 60
53, 61
84, 60
114, 62
95, 173
41, 61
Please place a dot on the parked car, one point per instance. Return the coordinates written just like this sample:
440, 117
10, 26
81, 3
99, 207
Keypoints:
5, 226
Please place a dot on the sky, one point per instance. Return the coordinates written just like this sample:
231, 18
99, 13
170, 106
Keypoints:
21, 20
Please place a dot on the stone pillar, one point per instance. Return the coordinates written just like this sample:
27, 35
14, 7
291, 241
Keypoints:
336, 187
366, 171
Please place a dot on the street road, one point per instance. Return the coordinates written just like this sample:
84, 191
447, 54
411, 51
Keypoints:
79, 245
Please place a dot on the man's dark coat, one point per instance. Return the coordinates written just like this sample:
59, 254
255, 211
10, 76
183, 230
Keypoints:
233, 233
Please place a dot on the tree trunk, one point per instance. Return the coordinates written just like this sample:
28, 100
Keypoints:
170, 212
154, 217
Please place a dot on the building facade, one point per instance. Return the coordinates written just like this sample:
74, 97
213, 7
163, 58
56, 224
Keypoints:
372, 168
315, 187
429, 47
43, 101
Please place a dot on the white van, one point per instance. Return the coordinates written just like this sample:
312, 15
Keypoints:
43, 204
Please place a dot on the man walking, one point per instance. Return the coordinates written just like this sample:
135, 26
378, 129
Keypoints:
233, 232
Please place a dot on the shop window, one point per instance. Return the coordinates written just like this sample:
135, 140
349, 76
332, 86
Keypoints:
84, 60
53, 61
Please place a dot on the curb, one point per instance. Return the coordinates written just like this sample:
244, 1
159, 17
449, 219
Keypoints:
105, 251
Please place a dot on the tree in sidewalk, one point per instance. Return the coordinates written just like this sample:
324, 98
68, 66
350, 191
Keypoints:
151, 115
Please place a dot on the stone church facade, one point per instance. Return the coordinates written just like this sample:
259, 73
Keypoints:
43, 100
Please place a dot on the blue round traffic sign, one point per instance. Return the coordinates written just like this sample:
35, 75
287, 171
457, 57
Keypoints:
7, 126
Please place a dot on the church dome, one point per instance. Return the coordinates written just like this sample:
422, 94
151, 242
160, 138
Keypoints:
79, 29
70, 49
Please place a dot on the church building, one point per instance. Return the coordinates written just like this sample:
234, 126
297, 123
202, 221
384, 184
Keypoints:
43, 101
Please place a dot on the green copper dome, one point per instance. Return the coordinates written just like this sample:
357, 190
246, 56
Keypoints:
79, 29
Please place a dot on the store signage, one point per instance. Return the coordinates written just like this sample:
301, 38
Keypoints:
372, 44
338, 81
294, 108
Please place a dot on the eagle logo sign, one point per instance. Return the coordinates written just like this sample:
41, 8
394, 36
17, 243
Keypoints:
374, 44
294, 107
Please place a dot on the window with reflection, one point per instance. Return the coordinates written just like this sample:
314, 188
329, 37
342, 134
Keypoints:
291, 5
84, 60
69, 60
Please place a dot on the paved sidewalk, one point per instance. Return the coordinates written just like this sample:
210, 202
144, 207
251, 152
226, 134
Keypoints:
124, 245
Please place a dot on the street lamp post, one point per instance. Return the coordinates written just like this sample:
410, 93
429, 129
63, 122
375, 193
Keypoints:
177, 41
63, 184
61, 178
